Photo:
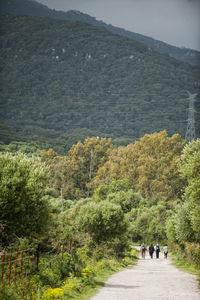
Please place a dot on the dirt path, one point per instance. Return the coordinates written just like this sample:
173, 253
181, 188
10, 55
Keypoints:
150, 279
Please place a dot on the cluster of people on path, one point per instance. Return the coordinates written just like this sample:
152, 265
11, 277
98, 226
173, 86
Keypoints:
152, 249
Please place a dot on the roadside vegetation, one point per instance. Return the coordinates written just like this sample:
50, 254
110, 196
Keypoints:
81, 212
181, 261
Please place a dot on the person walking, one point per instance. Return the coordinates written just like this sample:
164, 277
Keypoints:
151, 250
157, 248
143, 249
165, 251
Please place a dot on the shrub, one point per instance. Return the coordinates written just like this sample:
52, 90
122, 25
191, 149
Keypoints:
51, 294
102, 220
193, 252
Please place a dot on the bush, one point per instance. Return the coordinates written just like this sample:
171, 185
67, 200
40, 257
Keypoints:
52, 294
51, 275
102, 220
193, 252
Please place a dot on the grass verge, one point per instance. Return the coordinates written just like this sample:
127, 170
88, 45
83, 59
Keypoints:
180, 262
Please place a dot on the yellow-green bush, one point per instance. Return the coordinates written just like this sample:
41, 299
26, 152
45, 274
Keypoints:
52, 294
72, 284
193, 252
50, 275
87, 272
28, 288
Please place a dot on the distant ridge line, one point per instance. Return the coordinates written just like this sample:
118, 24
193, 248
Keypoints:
35, 8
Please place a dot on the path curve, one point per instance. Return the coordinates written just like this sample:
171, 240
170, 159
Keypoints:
150, 279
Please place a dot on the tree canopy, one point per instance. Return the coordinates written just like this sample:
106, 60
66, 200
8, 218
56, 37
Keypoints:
150, 165
183, 227
23, 181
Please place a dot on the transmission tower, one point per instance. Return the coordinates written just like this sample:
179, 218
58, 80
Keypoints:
190, 131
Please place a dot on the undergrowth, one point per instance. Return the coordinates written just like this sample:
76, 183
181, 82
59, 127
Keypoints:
67, 279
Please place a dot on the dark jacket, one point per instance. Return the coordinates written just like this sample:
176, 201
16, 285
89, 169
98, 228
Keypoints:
151, 249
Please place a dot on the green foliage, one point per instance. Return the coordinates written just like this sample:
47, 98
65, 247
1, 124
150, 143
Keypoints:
48, 156
150, 165
189, 213
190, 168
74, 172
118, 192
26, 148
57, 90
114, 186
148, 223
51, 276
74, 285
183, 228
127, 200
22, 191
28, 288
103, 220
184, 231
138, 199
193, 252
171, 230
119, 185
53, 273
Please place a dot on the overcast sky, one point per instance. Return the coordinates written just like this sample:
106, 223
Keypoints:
176, 22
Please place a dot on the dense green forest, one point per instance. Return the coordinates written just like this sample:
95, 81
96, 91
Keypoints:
62, 81
33, 8
103, 198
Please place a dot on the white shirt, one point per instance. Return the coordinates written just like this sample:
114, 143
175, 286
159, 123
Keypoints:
165, 249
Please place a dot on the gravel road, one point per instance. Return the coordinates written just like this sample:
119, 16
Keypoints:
150, 279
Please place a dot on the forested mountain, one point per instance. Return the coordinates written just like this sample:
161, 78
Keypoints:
31, 7
62, 81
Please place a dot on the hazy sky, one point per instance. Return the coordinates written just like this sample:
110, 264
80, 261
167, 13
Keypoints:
176, 22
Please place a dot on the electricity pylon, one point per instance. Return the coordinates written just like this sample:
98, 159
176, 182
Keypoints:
190, 131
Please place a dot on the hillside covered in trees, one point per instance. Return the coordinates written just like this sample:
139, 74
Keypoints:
62, 81
33, 8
